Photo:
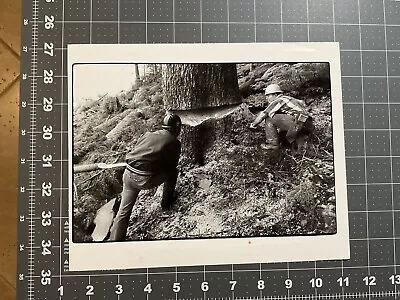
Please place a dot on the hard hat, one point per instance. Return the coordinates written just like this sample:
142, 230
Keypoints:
171, 121
273, 88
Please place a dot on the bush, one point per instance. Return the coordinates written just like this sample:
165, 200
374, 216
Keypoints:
110, 105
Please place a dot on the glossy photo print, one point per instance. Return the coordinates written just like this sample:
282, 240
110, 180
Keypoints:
180, 152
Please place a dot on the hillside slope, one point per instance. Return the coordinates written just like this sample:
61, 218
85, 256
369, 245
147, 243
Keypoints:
240, 190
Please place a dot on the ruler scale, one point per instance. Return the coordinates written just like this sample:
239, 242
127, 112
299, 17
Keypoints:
368, 31
32, 179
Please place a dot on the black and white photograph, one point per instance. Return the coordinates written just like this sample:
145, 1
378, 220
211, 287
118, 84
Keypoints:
194, 154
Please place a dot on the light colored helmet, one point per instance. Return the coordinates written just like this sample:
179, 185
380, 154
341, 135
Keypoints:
273, 88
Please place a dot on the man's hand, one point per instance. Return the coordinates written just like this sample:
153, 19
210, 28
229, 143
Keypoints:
261, 116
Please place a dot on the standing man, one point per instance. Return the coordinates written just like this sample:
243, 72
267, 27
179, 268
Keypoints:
286, 114
151, 163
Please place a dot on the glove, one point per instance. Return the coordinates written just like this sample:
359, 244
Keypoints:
252, 126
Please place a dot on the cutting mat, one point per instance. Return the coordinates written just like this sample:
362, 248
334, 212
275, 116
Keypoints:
369, 35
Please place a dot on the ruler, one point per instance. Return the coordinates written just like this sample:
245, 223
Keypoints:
369, 34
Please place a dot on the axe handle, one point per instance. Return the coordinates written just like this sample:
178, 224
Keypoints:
86, 168
93, 167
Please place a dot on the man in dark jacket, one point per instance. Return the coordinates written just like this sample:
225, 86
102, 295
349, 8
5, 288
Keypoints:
151, 163
287, 115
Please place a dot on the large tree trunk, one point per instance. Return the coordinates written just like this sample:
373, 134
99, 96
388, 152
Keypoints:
199, 88
190, 86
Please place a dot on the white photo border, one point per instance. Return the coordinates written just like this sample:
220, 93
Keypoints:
165, 253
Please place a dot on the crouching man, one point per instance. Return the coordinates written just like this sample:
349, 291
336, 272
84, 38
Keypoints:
284, 114
152, 162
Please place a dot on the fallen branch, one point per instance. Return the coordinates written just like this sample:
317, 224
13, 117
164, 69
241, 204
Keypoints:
102, 97
88, 188
328, 153
91, 177
292, 157
118, 130
75, 192
111, 122
302, 158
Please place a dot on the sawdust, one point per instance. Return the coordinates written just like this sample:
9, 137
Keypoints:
197, 116
206, 221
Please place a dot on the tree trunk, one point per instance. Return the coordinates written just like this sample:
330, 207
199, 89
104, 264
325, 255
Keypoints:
109, 124
137, 79
121, 127
198, 87
191, 86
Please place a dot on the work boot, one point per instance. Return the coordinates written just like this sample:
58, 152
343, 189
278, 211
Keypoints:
299, 145
167, 202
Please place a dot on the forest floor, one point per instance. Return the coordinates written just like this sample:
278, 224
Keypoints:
240, 190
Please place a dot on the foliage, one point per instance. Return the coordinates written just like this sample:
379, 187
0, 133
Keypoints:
111, 105
301, 80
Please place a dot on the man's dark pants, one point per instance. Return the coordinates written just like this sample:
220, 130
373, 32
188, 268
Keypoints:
287, 124
132, 185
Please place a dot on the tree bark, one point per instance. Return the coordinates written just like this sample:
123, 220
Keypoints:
137, 75
197, 87
190, 86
